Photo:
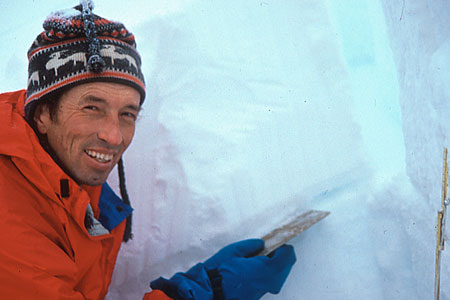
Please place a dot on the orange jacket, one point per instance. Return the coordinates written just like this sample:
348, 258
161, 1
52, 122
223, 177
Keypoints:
46, 251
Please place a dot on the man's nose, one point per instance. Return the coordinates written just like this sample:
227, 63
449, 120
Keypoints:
110, 131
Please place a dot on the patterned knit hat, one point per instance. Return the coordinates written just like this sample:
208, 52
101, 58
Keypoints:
76, 47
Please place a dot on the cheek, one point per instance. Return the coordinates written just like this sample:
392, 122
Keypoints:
65, 140
56, 137
128, 134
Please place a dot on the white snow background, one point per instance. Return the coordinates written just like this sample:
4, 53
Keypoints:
258, 109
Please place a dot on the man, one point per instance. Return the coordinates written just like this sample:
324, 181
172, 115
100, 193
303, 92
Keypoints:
61, 225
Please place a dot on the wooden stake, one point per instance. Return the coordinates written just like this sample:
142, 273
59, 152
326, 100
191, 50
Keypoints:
440, 240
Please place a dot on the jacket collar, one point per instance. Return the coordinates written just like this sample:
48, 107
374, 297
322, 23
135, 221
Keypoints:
18, 140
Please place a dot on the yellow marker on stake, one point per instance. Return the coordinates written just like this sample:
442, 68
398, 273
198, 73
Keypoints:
441, 228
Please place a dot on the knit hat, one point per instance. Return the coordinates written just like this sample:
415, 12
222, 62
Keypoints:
77, 47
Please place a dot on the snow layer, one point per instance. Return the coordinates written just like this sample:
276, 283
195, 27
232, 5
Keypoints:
258, 109
245, 129
421, 49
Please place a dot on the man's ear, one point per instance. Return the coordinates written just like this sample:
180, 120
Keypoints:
42, 118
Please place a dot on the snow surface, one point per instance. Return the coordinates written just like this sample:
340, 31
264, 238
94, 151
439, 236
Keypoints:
258, 109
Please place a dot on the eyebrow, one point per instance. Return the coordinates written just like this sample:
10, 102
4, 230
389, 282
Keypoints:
103, 101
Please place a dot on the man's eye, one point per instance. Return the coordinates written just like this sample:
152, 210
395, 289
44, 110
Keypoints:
91, 107
129, 115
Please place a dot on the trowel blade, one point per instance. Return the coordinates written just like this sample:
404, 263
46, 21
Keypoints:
291, 228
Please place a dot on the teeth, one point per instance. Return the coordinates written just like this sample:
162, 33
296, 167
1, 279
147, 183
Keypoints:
101, 157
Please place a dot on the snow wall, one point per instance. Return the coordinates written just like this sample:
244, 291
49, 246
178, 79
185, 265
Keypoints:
259, 109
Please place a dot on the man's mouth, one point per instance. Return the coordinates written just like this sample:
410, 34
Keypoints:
101, 157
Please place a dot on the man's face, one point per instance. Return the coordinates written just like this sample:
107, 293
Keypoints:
94, 125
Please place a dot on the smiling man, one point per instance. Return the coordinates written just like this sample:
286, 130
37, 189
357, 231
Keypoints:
61, 225
93, 127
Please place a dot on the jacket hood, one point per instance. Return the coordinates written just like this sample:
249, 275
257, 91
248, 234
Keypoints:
19, 142
14, 133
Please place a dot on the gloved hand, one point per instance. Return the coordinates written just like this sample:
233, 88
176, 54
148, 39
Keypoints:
242, 277
192, 285
249, 278
245, 248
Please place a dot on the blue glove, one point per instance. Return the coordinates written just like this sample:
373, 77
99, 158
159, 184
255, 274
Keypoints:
245, 248
194, 284
249, 278
232, 274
